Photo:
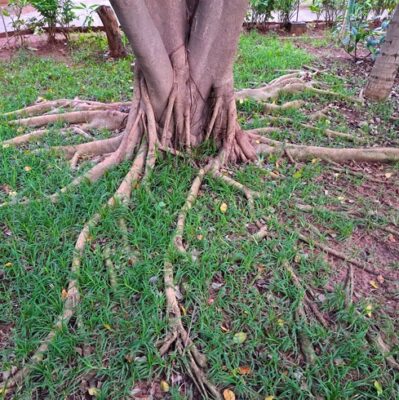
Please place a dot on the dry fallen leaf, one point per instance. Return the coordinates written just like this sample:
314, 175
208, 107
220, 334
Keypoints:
64, 294
380, 279
224, 328
183, 310
245, 370
223, 208
12, 193
269, 398
369, 309
240, 337
280, 322
164, 386
228, 394
27, 168
93, 391
374, 284
388, 175
391, 238
107, 327
200, 237
378, 387
6, 146
8, 265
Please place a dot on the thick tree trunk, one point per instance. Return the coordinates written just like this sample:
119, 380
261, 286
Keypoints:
111, 25
383, 74
185, 51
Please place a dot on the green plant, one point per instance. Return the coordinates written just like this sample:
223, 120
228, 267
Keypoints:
379, 6
356, 29
88, 11
331, 9
261, 10
14, 12
286, 9
54, 12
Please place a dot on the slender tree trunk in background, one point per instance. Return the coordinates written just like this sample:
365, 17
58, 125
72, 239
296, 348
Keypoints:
386, 66
346, 18
185, 51
111, 25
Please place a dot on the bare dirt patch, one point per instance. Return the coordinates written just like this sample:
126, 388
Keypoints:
37, 45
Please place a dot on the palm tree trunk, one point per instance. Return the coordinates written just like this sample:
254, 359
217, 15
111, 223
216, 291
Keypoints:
383, 74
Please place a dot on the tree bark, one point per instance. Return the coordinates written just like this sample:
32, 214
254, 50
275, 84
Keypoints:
111, 26
185, 51
386, 66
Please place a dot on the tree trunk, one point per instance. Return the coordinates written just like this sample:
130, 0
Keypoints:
184, 52
111, 25
383, 74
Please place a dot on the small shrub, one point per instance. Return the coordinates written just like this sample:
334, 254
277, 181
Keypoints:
53, 13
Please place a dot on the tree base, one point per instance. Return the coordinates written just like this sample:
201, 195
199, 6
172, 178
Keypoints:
140, 140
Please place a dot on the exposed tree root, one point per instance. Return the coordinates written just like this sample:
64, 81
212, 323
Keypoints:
38, 134
306, 153
249, 194
53, 106
336, 254
181, 219
178, 335
376, 338
349, 286
328, 132
300, 314
73, 296
291, 83
22, 139
144, 133
373, 336
335, 167
109, 119
309, 297
304, 341
110, 268
289, 105
344, 213
319, 114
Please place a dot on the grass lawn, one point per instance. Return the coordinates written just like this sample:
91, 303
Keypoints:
236, 284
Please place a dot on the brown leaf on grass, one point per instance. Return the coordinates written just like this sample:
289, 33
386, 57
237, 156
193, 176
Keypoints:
244, 370
223, 208
374, 284
164, 386
228, 394
224, 328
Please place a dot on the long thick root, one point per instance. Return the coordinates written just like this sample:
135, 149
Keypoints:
292, 83
340, 155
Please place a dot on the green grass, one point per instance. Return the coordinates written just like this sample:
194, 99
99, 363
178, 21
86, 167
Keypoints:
117, 330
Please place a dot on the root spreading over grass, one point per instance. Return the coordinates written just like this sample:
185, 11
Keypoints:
137, 139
